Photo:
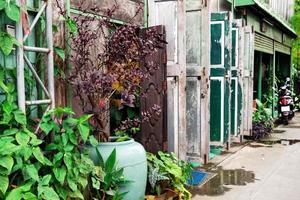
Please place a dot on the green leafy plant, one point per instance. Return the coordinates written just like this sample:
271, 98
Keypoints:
30, 167
262, 121
71, 163
12, 11
107, 179
166, 172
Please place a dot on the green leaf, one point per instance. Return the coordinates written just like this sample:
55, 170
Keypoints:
16, 194
71, 24
60, 52
57, 157
47, 162
62, 192
72, 183
30, 196
84, 131
20, 117
32, 172
38, 154
51, 147
46, 179
84, 118
111, 192
82, 181
46, 127
131, 113
6, 148
6, 45
3, 184
64, 138
68, 161
60, 174
111, 161
7, 107
54, 28
100, 158
49, 194
12, 11
72, 137
22, 138
36, 142
95, 183
27, 152
9, 132
69, 147
76, 194
7, 162
93, 141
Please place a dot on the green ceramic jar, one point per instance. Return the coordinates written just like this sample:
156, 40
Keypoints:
131, 156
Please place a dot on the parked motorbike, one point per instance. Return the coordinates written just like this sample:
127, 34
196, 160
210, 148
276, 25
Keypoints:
286, 103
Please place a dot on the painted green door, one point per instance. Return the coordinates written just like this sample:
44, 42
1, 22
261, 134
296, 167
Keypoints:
220, 77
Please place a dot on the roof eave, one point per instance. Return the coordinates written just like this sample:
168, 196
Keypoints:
269, 11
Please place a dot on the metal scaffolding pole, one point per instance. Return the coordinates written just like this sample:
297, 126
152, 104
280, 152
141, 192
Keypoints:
44, 10
50, 54
20, 66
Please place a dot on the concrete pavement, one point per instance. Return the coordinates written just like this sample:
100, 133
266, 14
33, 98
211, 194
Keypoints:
258, 171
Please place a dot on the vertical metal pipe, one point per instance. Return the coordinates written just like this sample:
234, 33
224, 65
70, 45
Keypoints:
273, 81
20, 66
259, 85
68, 53
50, 66
146, 13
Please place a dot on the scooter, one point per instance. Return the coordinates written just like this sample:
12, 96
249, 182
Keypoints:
286, 103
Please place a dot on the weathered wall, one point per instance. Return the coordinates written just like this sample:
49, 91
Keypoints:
271, 31
60, 41
127, 9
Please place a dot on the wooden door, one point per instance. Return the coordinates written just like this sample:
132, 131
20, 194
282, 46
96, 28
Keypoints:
236, 84
154, 132
197, 79
248, 79
220, 73
171, 14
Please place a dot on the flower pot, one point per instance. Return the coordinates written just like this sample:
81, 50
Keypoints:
131, 156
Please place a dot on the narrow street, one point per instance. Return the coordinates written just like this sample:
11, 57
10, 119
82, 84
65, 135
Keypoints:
262, 171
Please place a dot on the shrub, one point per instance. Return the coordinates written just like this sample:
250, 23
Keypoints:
262, 121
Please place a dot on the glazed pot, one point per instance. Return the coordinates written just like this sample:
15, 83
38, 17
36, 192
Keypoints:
131, 156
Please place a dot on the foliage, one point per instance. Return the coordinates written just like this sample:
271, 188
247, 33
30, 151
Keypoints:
12, 11
30, 167
107, 63
107, 178
165, 172
262, 121
295, 20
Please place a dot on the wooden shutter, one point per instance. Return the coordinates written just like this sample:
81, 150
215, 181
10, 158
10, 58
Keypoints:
154, 133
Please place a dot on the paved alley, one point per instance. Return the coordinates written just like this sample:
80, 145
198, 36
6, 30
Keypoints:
260, 171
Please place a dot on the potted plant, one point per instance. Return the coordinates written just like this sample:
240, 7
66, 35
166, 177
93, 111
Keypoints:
107, 70
168, 177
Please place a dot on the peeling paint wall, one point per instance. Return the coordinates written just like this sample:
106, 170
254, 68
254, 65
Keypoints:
127, 9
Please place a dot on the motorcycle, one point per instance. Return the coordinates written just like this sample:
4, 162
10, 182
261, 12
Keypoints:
286, 103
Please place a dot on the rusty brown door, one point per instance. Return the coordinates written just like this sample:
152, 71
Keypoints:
154, 132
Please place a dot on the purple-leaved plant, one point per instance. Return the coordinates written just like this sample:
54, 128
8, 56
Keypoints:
108, 64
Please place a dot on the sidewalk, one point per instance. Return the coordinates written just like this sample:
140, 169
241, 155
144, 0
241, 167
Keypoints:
259, 171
